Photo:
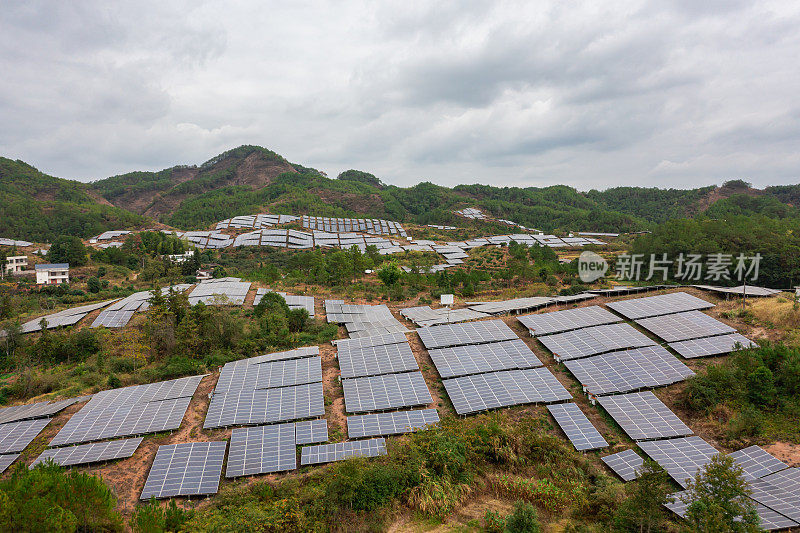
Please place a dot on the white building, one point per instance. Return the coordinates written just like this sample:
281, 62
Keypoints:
16, 263
52, 274
180, 258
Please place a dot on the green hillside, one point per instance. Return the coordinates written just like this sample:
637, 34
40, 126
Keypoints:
39, 207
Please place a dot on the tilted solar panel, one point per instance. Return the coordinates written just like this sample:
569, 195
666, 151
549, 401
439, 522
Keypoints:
707, 346
469, 333
579, 430
626, 464
594, 340
566, 320
185, 469
311, 431
757, 462
661, 304
15, 436
6, 460
374, 360
684, 326
90, 453
364, 342
682, 458
386, 391
477, 358
394, 423
643, 416
262, 449
263, 406
326, 453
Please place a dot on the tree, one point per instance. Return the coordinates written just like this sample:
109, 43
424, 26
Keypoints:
643, 510
717, 499
67, 249
93, 284
761, 387
389, 275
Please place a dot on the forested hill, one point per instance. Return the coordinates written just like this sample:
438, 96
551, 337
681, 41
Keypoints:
251, 179
38, 207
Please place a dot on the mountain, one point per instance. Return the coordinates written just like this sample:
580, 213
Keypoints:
39, 208
252, 179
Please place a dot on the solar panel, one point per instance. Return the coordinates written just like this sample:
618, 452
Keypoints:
718, 345
661, 304
374, 360
628, 370
263, 406
769, 519
311, 431
643, 416
594, 340
787, 479
511, 306
776, 497
579, 430
568, 319
481, 392
388, 391
424, 315
35, 410
469, 333
261, 450
130, 411
682, 458
15, 436
90, 453
394, 423
625, 464
684, 326
232, 291
297, 353
6, 460
757, 462
478, 358
185, 469
373, 330
326, 453
364, 342
242, 375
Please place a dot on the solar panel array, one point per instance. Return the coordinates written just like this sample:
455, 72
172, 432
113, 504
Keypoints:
255, 221
643, 416
628, 370
566, 320
769, 520
35, 410
425, 316
477, 358
90, 453
516, 305
374, 360
757, 462
481, 392
779, 492
130, 411
233, 292
15, 436
363, 320
276, 387
661, 304
373, 340
681, 458
311, 431
185, 469
262, 449
579, 430
6, 460
394, 423
594, 340
388, 391
326, 453
364, 225
294, 302
119, 313
470, 333
263, 406
684, 326
67, 317
718, 345
626, 464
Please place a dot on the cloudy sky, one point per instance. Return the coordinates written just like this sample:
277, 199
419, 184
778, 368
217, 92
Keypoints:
668, 94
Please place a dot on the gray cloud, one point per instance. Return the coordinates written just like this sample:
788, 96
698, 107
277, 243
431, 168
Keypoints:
674, 94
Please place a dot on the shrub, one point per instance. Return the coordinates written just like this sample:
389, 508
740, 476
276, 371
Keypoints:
523, 519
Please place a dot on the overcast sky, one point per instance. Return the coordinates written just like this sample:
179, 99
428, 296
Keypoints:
667, 94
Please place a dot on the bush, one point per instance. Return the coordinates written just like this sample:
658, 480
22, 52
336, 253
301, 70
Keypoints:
46, 498
114, 382
523, 519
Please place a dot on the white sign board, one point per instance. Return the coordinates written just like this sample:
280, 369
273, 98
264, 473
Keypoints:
447, 299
